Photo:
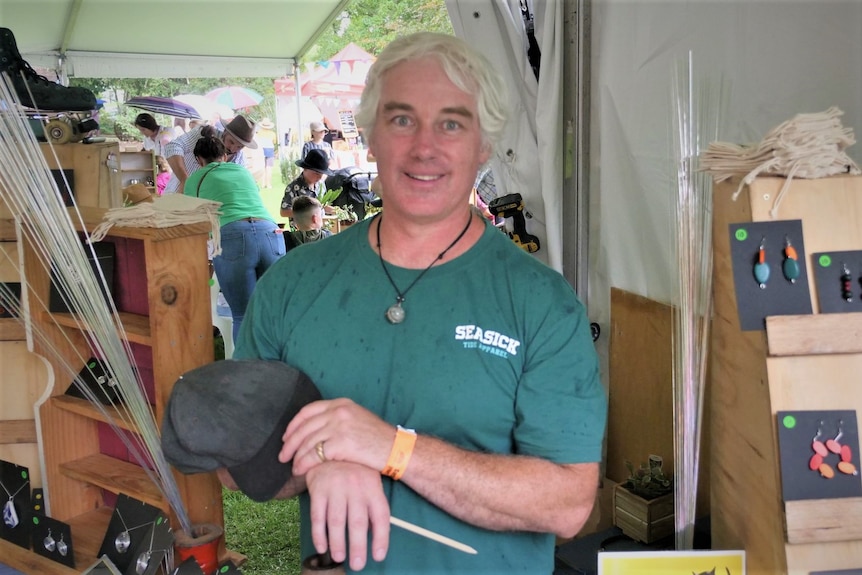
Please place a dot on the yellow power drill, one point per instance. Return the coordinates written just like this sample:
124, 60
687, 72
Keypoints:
512, 206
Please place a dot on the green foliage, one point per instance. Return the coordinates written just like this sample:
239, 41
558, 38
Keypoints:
648, 481
372, 24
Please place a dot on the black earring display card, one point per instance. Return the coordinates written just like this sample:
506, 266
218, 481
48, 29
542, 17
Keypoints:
838, 279
37, 502
819, 453
228, 568
774, 286
102, 566
105, 253
53, 539
158, 541
190, 567
8, 307
94, 376
129, 526
15, 501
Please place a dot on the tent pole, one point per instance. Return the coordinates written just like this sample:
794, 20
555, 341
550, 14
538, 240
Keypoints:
298, 92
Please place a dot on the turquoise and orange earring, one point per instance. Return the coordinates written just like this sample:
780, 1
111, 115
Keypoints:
790, 267
761, 268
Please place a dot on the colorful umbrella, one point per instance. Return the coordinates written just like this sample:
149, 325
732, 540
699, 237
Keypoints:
235, 96
207, 109
167, 106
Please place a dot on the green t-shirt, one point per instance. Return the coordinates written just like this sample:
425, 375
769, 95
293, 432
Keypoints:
232, 185
494, 355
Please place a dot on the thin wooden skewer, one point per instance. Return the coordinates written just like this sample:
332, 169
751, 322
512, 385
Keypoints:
431, 535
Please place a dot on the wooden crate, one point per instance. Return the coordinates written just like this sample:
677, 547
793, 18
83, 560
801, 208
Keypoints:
641, 519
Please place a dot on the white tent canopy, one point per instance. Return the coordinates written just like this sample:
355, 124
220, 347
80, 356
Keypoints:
167, 38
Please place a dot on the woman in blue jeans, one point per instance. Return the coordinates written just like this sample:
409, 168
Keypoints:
250, 239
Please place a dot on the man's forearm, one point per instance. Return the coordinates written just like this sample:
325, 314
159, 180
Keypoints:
503, 492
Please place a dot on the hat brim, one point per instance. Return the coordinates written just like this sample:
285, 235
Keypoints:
231, 414
304, 166
252, 144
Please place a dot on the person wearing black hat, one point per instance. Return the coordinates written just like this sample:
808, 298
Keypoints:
315, 168
180, 153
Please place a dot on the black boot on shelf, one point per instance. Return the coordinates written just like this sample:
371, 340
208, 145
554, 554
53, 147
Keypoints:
46, 95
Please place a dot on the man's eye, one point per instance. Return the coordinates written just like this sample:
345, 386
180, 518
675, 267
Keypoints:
450, 125
401, 121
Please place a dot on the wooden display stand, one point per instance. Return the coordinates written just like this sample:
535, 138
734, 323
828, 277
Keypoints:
167, 321
138, 165
802, 362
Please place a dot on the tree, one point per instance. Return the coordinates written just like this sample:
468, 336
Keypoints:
372, 24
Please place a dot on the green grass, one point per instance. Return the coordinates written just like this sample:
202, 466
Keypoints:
266, 533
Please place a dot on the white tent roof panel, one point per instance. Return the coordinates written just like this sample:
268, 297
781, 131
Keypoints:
167, 38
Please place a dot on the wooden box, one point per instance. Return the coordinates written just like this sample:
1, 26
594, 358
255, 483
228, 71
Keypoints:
641, 519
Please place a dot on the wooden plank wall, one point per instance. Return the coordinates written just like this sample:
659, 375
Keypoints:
23, 377
640, 411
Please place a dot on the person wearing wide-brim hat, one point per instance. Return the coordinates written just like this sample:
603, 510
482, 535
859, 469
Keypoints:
315, 168
180, 153
268, 141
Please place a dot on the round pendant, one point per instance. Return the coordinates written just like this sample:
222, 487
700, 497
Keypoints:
143, 562
62, 548
395, 313
122, 542
49, 542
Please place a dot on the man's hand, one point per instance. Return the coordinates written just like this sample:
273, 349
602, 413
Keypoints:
346, 500
344, 430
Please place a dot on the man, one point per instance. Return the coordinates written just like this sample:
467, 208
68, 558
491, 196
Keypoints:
461, 388
309, 182
180, 153
308, 221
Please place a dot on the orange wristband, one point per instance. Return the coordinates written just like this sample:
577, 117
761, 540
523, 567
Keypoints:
399, 457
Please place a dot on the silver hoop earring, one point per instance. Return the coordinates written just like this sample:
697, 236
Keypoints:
62, 548
49, 542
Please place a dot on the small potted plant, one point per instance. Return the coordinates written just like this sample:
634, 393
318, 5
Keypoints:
643, 505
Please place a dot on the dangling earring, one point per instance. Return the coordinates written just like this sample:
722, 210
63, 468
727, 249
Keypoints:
49, 542
790, 267
832, 444
846, 285
820, 451
62, 548
761, 268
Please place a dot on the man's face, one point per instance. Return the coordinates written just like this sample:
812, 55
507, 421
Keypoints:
231, 144
427, 141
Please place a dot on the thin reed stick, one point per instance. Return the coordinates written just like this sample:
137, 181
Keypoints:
696, 105
43, 221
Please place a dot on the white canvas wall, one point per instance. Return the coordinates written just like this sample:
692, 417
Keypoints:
780, 57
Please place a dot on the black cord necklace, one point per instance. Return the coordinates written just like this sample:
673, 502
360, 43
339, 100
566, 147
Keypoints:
395, 313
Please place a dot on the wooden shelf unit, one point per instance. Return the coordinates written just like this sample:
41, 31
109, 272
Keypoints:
176, 329
797, 363
138, 165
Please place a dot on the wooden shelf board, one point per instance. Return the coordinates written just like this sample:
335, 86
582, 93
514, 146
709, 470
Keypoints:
88, 531
822, 520
87, 409
818, 334
137, 327
12, 330
116, 476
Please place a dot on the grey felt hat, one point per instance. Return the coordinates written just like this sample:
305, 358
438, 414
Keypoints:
243, 130
232, 414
